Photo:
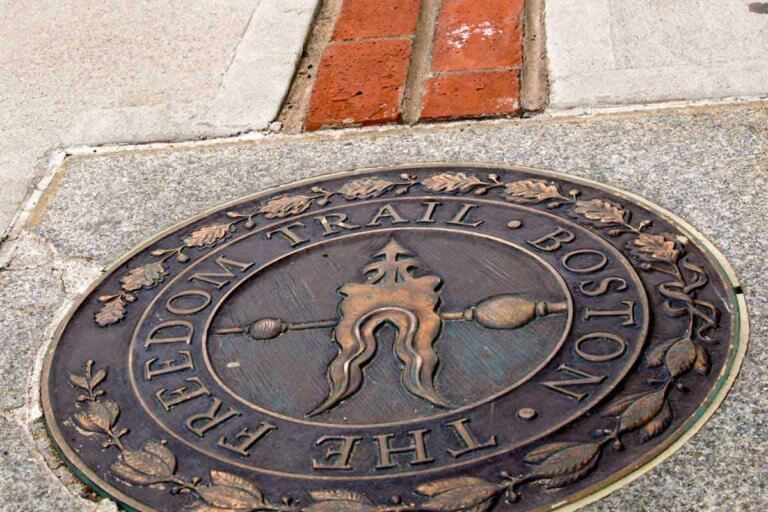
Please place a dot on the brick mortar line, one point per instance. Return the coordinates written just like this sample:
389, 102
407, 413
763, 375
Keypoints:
420, 67
474, 70
295, 108
534, 81
370, 39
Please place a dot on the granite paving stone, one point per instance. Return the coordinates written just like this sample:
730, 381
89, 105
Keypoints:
709, 166
34, 287
27, 484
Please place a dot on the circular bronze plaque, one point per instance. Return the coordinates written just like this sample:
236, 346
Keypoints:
440, 337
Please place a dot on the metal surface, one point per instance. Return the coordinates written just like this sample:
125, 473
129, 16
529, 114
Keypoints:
440, 337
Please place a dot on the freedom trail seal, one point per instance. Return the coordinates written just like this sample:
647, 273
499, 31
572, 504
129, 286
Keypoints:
445, 338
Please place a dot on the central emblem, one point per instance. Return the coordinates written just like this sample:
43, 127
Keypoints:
394, 295
391, 296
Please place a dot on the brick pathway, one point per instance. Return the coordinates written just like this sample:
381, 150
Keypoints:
408, 60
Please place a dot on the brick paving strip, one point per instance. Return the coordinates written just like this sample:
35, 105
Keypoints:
405, 61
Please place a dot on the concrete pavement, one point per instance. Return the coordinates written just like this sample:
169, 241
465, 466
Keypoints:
74, 72
707, 165
77, 72
613, 52
80, 72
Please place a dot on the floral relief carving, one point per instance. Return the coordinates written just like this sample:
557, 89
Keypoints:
536, 191
460, 182
154, 463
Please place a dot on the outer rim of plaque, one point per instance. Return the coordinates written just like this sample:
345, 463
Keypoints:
695, 422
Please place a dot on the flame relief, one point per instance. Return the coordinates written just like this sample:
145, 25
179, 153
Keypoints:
392, 295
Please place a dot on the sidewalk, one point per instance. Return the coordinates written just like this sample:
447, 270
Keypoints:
106, 107
706, 165
78, 72
74, 73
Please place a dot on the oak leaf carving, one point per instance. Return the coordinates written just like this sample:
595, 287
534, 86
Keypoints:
364, 188
647, 247
451, 182
208, 236
601, 212
532, 190
285, 206
339, 494
145, 276
111, 312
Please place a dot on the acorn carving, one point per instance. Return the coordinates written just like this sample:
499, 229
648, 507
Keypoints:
510, 311
267, 328
496, 312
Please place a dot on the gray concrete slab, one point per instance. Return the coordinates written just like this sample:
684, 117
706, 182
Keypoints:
259, 77
611, 52
77, 72
707, 165
62, 61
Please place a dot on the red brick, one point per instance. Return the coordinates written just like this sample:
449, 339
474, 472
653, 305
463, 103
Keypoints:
376, 18
478, 34
474, 94
360, 83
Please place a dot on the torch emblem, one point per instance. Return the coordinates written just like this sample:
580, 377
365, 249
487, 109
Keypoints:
394, 292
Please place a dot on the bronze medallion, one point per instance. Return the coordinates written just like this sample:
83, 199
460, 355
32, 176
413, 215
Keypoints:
432, 337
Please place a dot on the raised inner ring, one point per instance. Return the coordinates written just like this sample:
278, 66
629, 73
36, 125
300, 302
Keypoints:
505, 358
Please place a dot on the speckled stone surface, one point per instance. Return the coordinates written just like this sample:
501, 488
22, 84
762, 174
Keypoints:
709, 166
